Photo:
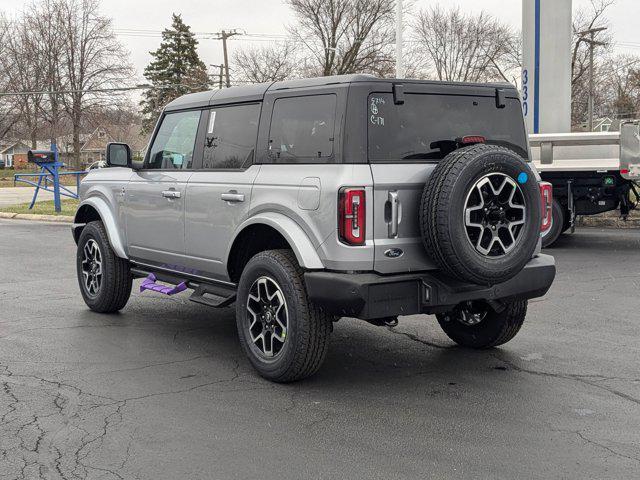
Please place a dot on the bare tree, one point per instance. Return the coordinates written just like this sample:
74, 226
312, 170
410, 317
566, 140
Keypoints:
272, 63
7, 117
42, 19
466, 47
93, 61
20, 66
586, 19
345, 36
619, 90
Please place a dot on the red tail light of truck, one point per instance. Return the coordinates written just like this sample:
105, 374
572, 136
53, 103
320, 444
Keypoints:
546, 202
352, 215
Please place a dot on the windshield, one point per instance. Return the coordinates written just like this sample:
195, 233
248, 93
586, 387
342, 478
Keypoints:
426, 126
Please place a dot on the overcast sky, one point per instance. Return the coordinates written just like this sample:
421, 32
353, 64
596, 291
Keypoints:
270, 17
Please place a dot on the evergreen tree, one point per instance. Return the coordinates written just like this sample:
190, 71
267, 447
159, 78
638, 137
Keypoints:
176, 69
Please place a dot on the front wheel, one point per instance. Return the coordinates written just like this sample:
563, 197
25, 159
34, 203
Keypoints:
477, 324
285, 336
104, 278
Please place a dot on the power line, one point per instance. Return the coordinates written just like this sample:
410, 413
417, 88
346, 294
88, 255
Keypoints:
102, 90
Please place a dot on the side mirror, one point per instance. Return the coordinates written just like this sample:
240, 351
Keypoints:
119, 155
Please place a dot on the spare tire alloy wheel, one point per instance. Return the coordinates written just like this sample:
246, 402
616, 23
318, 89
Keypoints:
494, 215
480, 214
267, 318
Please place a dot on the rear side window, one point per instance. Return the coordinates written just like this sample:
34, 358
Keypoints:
175, 141
302, 129
425, 127
231, 136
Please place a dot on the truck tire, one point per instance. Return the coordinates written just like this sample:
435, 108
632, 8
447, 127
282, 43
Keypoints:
285, 336
480, 214
558, 225
104, 278
477, 325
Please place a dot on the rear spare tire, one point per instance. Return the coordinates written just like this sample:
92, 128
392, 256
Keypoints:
480, 214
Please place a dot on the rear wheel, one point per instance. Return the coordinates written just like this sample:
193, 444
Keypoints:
478, 325
559, 224
104, 278
285, 336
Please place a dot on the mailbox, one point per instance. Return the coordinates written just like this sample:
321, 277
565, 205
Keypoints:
41, 156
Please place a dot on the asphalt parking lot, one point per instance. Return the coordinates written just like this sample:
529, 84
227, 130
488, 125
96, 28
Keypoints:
163, 391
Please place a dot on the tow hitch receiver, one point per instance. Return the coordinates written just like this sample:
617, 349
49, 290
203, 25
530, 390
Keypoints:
149, 283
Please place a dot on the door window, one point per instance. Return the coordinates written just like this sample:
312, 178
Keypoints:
231, 137
175, 141
302, 129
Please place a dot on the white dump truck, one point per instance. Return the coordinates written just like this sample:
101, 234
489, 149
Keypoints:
591, 173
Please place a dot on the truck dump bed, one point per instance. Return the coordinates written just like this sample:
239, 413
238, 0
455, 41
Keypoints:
586, 152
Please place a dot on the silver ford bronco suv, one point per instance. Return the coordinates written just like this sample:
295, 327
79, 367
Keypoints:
309, 200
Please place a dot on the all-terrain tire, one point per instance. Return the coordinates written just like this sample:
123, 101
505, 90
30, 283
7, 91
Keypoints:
495, 329
559, 225
442, 214
308, 330
115, 283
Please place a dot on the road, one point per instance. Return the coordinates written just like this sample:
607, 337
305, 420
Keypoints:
163, 391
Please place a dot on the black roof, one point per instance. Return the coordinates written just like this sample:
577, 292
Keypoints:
255, 92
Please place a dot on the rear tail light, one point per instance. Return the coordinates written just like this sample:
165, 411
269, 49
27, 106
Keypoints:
546, 200
351, 215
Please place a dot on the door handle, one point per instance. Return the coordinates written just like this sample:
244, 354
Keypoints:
232, 196
393, 224
171, 194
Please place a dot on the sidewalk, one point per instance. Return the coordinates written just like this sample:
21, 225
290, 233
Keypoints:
16, 195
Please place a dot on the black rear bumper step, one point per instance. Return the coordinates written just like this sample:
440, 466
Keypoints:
370, 295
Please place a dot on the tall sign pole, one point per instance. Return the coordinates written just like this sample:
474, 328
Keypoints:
546, 71
399, 29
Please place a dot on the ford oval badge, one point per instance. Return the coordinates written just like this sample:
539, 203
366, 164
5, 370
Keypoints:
394, 253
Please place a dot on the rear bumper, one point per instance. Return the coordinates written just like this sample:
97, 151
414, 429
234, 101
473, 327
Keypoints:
370, 295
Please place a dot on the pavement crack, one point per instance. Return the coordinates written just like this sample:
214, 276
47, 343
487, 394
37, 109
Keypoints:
590, 441
417, 339
159, 364
569, 376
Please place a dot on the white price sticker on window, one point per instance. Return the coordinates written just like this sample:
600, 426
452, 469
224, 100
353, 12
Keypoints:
212, 121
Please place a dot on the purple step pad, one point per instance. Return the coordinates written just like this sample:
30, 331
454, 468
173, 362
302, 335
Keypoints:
149, 283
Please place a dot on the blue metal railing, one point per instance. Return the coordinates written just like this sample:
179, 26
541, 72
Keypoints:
50, 173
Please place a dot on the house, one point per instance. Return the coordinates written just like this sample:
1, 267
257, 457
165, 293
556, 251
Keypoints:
9, 150
95, 144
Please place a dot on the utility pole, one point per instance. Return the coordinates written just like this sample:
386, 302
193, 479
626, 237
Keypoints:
220, 74
223, 36
399, 28
592, 44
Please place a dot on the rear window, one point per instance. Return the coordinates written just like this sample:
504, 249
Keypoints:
425, 127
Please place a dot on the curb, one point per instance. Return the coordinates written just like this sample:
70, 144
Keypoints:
609, 220
37, 218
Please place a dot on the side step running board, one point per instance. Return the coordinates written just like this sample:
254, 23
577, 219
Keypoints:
222, 296
209, 294
149, 283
